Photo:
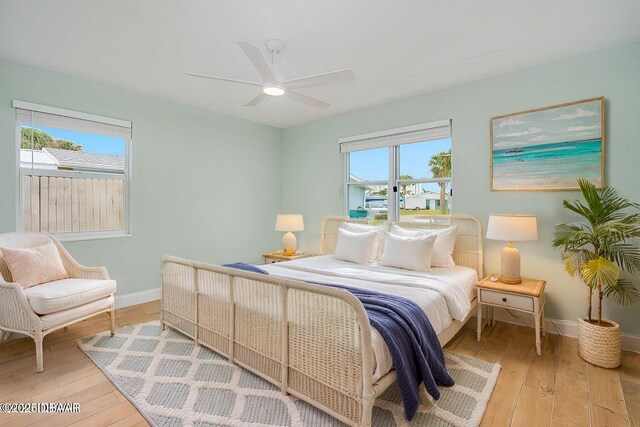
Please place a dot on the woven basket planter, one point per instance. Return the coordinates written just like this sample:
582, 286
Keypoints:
599, 345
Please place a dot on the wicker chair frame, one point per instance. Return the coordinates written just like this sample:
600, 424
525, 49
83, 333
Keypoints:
312, 341
16, 315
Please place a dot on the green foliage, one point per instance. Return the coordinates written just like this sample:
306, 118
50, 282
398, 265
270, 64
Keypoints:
574, 258
600, 249
599, 270
67, 145
623, 292
440, 165
42, 139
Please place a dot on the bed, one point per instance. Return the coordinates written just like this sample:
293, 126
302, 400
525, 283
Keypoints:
314, 342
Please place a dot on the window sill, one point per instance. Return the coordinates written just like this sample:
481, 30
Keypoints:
94, 237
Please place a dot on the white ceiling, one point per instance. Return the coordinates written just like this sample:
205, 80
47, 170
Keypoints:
396, 48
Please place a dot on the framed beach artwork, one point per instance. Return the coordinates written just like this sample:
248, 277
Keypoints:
549, 148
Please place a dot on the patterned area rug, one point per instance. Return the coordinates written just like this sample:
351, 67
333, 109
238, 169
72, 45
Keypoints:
173, 382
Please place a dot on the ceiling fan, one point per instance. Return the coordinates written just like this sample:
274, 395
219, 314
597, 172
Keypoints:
274, 85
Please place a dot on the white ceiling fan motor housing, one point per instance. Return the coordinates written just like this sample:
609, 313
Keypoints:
274, 46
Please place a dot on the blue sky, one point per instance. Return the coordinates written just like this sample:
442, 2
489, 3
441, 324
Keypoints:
373, 165
98, 144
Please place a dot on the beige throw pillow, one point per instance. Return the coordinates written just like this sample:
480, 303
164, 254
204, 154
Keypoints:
33, 266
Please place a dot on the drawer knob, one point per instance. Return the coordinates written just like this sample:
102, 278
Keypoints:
504, 299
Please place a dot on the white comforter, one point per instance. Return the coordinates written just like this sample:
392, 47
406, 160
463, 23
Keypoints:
444, 293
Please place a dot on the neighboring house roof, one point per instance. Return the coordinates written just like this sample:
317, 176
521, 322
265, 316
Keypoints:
354, 178
81, 160
36, 157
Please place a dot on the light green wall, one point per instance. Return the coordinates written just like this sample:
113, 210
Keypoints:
205, 186
313, 184
192, 169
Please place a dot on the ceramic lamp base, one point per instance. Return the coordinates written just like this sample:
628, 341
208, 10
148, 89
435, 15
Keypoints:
289, 243
510, 262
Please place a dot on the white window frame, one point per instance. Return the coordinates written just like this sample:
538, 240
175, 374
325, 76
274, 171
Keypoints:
127, 177
393, 139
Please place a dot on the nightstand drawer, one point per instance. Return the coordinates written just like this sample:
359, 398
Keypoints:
507, 300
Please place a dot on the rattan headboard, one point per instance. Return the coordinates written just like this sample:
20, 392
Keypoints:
468, 249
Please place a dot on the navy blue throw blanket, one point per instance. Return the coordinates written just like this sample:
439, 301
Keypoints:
414, 346
246, 267
416, 352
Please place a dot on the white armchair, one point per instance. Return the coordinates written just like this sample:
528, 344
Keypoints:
41, 309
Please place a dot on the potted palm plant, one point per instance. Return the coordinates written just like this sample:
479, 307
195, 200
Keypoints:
597, 251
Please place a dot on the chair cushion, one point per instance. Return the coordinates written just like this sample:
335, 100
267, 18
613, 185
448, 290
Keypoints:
35, 265
68, 293
54, 320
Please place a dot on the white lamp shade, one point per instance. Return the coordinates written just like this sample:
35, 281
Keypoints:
289, 223
512, 228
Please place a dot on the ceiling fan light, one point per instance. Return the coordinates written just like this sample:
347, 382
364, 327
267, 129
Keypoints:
273, 90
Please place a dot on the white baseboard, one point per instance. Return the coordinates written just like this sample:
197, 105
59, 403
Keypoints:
140, 297
567, 328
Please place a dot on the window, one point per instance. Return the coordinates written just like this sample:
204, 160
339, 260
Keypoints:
73, 172
401, 174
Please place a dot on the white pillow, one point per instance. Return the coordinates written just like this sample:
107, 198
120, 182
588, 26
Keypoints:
442, 249
378, 246
411, 253
354, 247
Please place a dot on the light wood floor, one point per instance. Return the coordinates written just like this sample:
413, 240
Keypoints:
557, 388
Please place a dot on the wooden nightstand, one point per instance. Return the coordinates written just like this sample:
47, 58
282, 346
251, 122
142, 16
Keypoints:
279, 256
527, 296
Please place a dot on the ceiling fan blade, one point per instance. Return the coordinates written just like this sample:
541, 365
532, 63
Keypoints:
224, 79
257, 100
332, 77
257, 59
306, 100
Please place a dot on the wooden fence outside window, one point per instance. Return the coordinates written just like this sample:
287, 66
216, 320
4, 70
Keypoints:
62, 202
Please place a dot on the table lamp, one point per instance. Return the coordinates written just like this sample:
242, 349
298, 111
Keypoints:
511, 228
289, 223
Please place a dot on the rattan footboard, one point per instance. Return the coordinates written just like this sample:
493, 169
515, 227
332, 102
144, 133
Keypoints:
312, 341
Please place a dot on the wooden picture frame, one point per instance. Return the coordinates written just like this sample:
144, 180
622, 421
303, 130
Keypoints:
548, 149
